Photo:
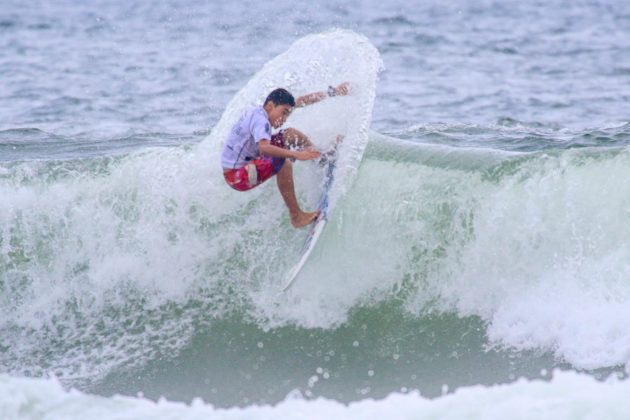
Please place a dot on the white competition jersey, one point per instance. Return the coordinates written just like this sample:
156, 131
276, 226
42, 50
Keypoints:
241, 144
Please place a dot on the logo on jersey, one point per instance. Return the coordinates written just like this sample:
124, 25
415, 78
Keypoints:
267, 128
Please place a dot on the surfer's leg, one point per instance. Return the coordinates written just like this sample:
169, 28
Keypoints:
284, 177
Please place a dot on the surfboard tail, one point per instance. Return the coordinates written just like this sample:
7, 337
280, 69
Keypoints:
316, 231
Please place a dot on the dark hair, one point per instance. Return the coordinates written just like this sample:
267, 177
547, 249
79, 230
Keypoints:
280, 97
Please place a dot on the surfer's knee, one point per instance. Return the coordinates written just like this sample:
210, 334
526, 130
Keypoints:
293, 135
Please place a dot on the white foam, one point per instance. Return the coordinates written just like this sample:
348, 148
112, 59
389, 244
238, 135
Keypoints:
567, 396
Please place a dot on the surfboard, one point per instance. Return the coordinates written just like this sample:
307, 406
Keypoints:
317, 227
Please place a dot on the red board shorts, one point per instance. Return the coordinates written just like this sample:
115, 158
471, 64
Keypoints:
256, 171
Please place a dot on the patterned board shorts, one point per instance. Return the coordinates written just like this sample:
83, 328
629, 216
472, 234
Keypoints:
256, 171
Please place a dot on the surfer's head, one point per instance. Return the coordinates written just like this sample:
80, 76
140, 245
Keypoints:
278, 106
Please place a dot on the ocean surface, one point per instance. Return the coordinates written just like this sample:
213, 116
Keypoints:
477, 264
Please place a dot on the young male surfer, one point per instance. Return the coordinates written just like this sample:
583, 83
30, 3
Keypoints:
252, 155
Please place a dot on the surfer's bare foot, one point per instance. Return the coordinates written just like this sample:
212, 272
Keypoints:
304, 218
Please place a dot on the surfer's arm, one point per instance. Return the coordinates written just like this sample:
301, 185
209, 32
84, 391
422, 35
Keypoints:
268, 149
315, 97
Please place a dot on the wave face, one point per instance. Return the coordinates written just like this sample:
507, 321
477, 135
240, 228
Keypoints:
533, 243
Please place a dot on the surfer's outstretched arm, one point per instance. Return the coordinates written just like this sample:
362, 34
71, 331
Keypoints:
315, 97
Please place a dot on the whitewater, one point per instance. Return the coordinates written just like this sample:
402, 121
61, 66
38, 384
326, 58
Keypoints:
476, 264
568, 395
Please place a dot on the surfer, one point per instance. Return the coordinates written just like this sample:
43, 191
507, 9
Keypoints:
252, 155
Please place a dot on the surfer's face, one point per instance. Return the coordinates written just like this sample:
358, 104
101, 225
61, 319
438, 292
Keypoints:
278, 114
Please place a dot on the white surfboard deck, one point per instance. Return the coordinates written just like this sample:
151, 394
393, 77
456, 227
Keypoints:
316, 229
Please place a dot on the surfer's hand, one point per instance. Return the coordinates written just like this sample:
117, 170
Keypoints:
342, 89
308, 154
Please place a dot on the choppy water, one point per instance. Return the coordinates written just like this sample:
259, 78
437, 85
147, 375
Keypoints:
484, 237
